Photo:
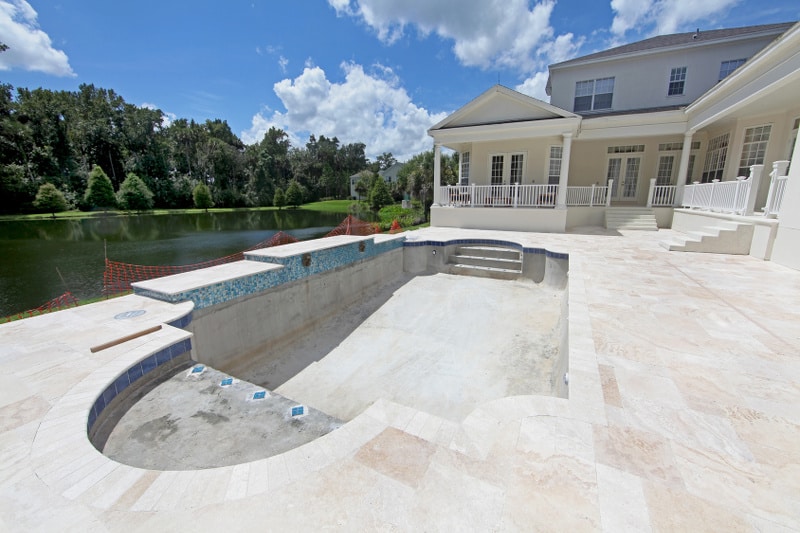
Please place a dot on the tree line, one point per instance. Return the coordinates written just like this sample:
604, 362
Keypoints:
64, 138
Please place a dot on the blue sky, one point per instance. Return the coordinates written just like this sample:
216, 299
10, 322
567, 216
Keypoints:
374, 71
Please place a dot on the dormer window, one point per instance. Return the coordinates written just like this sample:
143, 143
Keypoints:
594, 95
677, 81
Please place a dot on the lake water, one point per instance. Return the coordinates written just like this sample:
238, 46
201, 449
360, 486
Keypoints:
33, 253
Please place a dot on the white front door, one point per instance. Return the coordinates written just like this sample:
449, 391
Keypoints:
624, 170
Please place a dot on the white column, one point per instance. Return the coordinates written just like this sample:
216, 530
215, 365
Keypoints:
683, 167
437, 174
786, 249
561, 197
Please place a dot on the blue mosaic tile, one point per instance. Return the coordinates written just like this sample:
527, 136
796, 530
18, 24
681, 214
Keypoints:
109, 394
148, 364
198, 369
135, 372
298, 410
162, 356
260, 395
121, 383
226, 382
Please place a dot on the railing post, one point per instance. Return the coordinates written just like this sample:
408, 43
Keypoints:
591, 198
651, 192
609, 188
752, 193
778, 169
516, 194
472, 195
711, 196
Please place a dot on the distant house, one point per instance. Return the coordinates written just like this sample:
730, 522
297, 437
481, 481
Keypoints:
389, 175
633, 127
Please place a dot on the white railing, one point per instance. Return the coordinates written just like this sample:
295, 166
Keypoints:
661, 195
591, 196
777, 186
499, 195
718, 196
521, 196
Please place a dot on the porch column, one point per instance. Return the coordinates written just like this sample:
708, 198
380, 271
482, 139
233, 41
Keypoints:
683, 168
561, 197
437, 174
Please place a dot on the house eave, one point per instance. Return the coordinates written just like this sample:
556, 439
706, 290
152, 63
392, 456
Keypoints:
505, 131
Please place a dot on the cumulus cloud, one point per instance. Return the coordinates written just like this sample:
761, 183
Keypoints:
369, 107
507, 34
29, 48
535, 86
656, 17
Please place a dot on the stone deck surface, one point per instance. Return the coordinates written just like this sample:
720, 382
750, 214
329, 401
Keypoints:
682, 416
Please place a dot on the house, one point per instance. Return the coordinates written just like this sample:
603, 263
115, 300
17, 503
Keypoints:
389, 175
653, 127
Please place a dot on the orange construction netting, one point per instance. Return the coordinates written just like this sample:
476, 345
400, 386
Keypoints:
64, 301
353, 226
117, 276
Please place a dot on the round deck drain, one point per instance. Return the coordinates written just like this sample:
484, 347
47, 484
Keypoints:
129, 314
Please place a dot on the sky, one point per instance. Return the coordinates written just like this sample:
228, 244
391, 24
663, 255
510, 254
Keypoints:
379, 72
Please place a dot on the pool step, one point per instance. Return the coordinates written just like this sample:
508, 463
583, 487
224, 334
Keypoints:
486, 261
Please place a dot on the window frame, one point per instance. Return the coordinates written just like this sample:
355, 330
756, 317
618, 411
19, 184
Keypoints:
552, 163
725, 72
590, 97
716, 158
677, 82
464, 168
754, 151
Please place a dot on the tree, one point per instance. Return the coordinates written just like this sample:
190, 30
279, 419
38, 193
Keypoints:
364, 183
202, 197
50, 199
279, 200
379, 195
385, 160
99, 192
294, 194
134, 195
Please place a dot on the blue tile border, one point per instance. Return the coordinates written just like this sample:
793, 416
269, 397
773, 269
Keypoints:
295, 267
131, 375
496, 242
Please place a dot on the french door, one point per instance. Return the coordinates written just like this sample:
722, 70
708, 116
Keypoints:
625, 173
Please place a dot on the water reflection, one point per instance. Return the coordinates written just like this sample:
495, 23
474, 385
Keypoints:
33, 252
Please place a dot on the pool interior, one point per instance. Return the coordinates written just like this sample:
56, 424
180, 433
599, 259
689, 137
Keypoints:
434, 341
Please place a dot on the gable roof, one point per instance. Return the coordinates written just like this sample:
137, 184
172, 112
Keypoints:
501, 105
677, 40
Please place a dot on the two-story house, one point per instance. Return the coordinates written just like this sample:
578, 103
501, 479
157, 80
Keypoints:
628, 126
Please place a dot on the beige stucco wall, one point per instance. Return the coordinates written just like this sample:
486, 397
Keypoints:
537, 152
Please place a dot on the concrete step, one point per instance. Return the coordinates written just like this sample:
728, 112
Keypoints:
489, 251
485, 271
721, 238
631, 218
496, 262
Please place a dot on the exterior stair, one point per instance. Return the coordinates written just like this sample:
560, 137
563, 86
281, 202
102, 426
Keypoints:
487, 261
723, 237
631, 218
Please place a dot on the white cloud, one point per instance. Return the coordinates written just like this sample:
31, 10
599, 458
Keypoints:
283, 63
663, 16
366, 107
506, 34
29, 48
535, 86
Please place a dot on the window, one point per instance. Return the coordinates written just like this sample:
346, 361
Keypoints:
715, 158
626, 149
498, 162
517, 161
727, 67
465, 168
753, 148
664, 173
677, 147
690, 170
554, 166
592, 95
677, 81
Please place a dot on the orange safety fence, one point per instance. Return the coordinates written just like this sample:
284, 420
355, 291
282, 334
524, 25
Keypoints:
117, 276
353, 226
64, 301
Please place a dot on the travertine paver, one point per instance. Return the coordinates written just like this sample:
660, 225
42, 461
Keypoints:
684, 386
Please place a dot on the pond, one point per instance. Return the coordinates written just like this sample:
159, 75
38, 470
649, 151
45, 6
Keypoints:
41, 259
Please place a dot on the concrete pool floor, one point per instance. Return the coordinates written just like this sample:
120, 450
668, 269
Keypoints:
488, 339
682, 416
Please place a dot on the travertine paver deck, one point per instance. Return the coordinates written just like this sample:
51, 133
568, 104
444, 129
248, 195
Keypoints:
684, 386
